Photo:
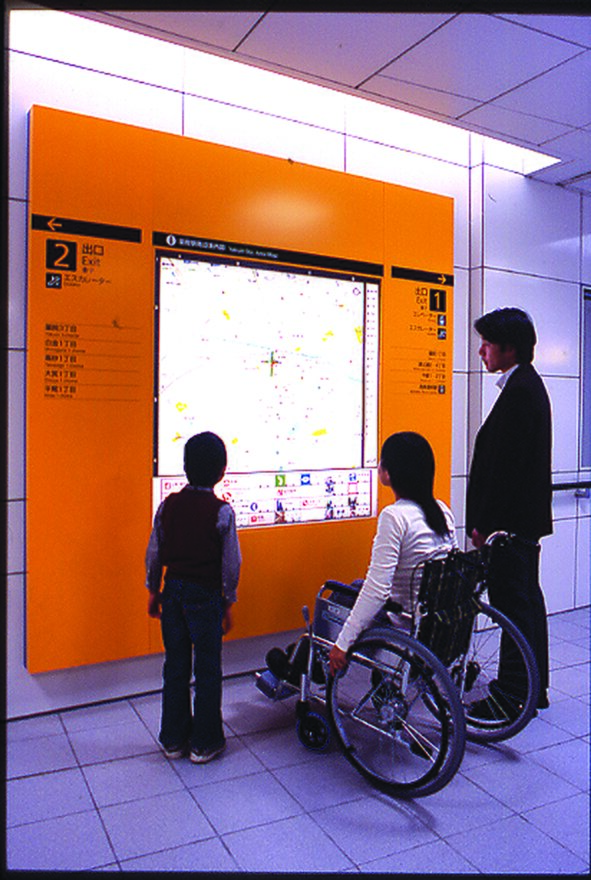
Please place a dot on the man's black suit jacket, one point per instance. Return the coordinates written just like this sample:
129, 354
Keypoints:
510, 482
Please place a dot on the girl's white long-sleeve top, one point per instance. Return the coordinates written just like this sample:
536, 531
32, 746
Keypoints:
402, 541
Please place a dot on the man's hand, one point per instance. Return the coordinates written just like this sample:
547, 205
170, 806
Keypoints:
227, 621
337, 660
154, 600
478, 539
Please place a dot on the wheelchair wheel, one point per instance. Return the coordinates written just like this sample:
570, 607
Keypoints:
492, 712
313, 732
397, 714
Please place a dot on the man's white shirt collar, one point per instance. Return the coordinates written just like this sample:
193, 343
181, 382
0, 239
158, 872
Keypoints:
502, 380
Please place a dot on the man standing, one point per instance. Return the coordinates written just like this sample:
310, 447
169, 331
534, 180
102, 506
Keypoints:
510, 483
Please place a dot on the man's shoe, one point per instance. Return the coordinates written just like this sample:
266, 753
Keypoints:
543, 702
202, 756
492, 709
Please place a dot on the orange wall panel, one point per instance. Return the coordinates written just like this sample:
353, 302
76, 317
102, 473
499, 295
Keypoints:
91, 363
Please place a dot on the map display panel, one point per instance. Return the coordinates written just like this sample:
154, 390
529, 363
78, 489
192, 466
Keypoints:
282, 364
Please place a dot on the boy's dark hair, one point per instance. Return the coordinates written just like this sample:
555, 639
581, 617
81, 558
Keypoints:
509, 326
205, 459
410, 463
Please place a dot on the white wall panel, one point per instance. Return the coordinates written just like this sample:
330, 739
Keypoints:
244, 86
396, 128
51, 84
554, 307
557, 566
17, 273
418, 172
459, 428
583, 586
16, 483
458, 504
250, 130
564, 396
60, 36
530, 226
461, 327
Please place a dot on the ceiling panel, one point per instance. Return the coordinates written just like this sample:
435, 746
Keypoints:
340, 47
480, 57
522, 78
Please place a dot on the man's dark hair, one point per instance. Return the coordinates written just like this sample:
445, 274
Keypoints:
509, 326
205, 459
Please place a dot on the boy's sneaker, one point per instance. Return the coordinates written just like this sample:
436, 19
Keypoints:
173, 752
202, 756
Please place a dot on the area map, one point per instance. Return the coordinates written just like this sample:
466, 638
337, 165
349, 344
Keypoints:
273, 362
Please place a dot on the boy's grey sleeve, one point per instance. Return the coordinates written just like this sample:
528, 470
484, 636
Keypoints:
154, 555
231, 556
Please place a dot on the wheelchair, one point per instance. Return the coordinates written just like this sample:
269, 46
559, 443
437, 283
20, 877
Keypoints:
394, 709
416, 685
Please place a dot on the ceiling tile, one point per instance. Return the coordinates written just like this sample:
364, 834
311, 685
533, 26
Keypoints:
511, 123
341, 47
418, 97
576, 28
575, 143
223, 30
564, 94
480, 57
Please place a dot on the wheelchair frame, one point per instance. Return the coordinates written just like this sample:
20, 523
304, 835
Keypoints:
403, 707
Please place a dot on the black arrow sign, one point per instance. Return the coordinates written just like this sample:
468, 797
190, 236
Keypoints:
67, 226
424, 277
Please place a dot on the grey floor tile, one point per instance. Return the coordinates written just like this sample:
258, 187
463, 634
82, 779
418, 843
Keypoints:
461, 804
94, 745
129, 779
569, 760
571, 715
567, 822
236, 804
538, 734
35, 798
432, 858
42, 755
280, 748
515, 846
235, 761
30, 728
521, 784
371, 828
149, 709
568, 654
204, 856
92, 717
291, 845
68, 843
572, 680
339, 782
155, 824
249, 710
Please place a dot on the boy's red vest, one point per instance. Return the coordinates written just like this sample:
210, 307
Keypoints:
191, 543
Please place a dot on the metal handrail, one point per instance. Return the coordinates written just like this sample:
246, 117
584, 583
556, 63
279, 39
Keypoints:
559, 487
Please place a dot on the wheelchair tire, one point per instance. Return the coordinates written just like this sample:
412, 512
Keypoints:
507, 716
397, 714
313, 732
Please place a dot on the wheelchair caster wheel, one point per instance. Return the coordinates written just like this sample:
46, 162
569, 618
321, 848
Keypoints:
313, 732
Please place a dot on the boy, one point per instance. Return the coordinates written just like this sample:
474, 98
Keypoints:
194, 536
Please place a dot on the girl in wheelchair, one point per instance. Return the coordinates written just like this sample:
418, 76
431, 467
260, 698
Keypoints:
410, 530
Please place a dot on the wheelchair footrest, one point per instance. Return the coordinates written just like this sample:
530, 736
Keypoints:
273, 687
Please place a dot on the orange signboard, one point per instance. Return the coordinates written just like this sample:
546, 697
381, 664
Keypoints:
96, 219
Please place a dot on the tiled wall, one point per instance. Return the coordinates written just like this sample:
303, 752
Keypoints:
516, 242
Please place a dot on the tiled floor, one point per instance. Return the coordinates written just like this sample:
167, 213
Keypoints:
89, 789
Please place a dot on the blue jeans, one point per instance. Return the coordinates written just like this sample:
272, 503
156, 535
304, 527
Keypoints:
191, 629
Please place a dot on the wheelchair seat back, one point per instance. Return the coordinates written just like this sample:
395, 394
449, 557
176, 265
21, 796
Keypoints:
331, 612
447, 603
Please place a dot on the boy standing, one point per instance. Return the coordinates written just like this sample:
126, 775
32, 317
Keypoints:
194, 537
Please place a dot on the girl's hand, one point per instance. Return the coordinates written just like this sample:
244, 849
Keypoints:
337, 660
154, 600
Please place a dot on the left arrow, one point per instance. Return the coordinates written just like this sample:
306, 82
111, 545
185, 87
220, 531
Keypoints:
53, 224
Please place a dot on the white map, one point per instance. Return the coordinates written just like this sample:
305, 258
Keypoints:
274, 362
